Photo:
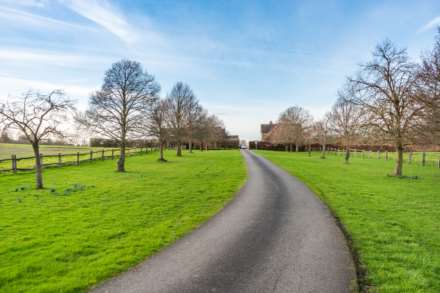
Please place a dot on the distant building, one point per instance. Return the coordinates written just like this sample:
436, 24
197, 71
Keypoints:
231, 141
266, 129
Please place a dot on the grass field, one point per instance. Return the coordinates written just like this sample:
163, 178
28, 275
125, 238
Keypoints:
394, 222
431, 158
24, 150
91, 222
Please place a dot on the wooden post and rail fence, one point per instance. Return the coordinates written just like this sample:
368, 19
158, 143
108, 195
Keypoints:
15, 164
409, 158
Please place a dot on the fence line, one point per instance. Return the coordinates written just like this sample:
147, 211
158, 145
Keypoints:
385, 155
60, 159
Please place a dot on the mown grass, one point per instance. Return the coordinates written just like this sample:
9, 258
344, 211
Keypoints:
431, 158
394, 222
91, 222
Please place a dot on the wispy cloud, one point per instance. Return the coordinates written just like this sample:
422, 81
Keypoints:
26, 56
26, 3
435, 22
10, 85
105, 15
15, 16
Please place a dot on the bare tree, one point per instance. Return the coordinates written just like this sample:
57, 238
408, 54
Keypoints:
292, 124
158, 124
321, 129
346, 119
385, 90
201, 130
193, 112
281, 133
4, 136
428, 94
179, 99
37, 116
118, 110
215, 130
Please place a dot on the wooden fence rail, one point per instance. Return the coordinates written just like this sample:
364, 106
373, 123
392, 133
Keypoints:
409, 157
15, 163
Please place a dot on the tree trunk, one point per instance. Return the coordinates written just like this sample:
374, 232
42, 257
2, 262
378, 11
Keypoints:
310, 150
190, 146
323, 151
38, 167
286, 148
399, 161
179, 149
121, 161
161, 147
290, 147
347, 154
296, 147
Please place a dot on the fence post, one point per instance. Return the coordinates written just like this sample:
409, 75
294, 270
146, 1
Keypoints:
378, 154
423, 159
102, 155
77, 158
410, 157
60, 160
14, 163
113, 154
91, 155
386, 155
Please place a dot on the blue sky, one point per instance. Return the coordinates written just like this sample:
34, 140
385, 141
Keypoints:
246, 60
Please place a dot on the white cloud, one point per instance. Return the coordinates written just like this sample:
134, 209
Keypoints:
11, 86
105, 15
435, 22
26, 3
20, 56
30, 20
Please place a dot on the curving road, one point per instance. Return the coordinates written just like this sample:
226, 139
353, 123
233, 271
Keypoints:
275, 236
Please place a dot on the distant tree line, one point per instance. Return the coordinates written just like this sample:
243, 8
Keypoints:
126, 111
390, 101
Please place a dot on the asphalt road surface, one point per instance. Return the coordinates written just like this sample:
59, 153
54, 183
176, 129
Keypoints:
275, 236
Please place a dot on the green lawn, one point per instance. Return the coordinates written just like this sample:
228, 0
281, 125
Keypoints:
431, 158
394, 223
93, 222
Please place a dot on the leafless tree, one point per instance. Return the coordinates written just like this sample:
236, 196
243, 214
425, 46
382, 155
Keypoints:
118, 110
208, 130
385, 90
193, 111
37, 116
428, 94
292, 125
179, 99
321, 129
215, 130
201, 130
158, 124
346, 119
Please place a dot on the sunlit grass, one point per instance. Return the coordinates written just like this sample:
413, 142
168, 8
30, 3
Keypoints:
91, 222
